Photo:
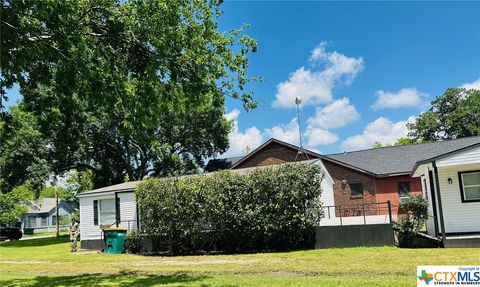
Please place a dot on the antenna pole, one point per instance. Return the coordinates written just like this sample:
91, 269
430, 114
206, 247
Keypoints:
298, 101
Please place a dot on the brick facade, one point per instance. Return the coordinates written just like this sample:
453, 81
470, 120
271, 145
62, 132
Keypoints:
343, 178
387, 189
273, 153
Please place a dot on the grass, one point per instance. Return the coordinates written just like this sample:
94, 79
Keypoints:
48, 262
50, 233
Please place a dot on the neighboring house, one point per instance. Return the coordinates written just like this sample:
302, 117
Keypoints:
42, 215
451, 181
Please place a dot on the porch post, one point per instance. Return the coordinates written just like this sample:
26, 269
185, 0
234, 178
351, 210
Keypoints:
439, 199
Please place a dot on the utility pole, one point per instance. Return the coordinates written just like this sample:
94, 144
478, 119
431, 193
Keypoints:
57, 226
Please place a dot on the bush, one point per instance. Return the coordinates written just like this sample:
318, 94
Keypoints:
133, 242
273, 208
416, 209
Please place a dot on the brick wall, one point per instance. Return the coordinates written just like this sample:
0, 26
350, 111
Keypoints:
342, 193
273, 153
387, 189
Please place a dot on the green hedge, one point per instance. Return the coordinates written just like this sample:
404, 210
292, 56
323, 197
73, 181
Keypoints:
274, 208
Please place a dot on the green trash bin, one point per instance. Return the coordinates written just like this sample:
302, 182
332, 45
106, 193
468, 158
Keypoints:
114, 239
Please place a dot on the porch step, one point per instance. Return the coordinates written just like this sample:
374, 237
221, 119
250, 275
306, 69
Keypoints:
466, 241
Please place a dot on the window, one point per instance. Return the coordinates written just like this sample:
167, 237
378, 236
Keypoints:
107, 211
356, 189
44, 221
470, 185
404, 189
54, 220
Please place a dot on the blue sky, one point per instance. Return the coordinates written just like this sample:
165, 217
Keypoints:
375, 66
363, 69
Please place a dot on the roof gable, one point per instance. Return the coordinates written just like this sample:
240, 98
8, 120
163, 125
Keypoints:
272, 149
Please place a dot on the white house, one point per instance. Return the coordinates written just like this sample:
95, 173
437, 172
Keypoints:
41, 214
451, 183
116, 206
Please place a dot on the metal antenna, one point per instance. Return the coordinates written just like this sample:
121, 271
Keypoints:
298, 101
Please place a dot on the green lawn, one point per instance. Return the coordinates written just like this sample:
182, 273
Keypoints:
48, 262
50, 233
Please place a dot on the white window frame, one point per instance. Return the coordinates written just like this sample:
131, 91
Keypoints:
463, 186
101, 213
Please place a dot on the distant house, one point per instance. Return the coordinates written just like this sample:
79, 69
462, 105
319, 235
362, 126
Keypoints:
41, 214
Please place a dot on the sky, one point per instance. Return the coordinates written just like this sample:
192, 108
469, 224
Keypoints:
363, 69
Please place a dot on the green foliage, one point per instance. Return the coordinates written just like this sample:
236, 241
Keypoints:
76, 216
79, 181
274, 208
400, 141
455, 114
63, 193
416, 209
23, 151
133, 242
14, 204
125, 88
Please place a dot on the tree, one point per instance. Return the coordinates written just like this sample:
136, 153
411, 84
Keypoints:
23, 152
79, 181
125, 88
400, 141
455, 114
14, 204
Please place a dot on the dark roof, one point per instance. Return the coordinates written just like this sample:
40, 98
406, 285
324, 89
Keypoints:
221, 163
399, 159
270, 141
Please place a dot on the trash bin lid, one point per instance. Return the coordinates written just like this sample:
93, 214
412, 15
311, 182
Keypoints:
115, 229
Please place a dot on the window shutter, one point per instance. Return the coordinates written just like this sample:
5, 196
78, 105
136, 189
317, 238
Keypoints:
95, 212
117, 210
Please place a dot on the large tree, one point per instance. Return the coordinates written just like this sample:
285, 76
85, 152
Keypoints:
125, 88
455, 114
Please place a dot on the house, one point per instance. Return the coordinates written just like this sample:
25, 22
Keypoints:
360, 187
116, 206
451, 182
42, 215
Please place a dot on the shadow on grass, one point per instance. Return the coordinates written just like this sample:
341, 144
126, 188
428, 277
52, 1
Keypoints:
36, 242
121, 279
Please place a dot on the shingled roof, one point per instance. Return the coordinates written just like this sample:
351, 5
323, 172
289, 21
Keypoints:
393, 160
221, 163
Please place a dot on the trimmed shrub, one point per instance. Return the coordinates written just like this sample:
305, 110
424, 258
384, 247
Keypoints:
272, 208
133, 242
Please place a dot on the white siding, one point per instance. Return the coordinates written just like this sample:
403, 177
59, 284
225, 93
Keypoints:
128, 210
327, 197
88, 230
470, 156
458, 216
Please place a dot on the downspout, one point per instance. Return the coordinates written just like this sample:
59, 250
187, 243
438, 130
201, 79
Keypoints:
439, 200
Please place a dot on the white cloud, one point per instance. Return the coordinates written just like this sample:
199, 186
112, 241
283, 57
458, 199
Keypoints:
474, 85
315, 85
382, 130
239, 141
317, 136
406, 97
287, 133
337, 114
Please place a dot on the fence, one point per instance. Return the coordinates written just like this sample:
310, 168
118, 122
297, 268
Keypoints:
357, 214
